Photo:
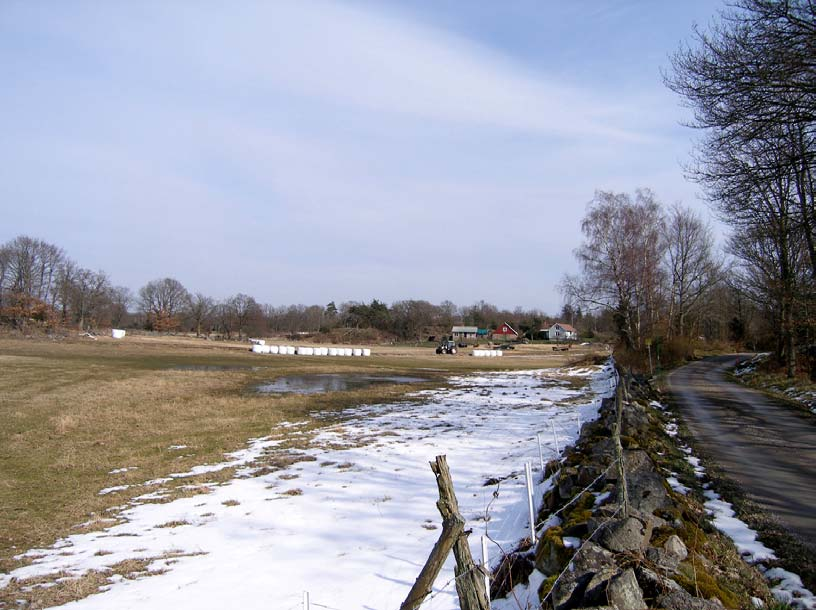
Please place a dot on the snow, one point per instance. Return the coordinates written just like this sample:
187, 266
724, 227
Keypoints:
677, 485
745, 539
114, 489
749, 366
121, 470
354, 526
790, 590
523, 595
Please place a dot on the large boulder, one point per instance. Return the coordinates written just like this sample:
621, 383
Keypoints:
637, 461
624, 592
569, 590
666, 562
634, 420
653, 584
595, 592
625, 535
676, 547
682, 600
647, 492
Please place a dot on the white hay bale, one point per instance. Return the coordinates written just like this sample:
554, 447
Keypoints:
357, 351
332, 351
258, 349
273, 349
347, 351
477, 353
305, 351
117, 333
499, 352
366, 351
290, 351
282, 350
324, 351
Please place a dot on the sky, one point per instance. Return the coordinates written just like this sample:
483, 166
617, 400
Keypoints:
317, 150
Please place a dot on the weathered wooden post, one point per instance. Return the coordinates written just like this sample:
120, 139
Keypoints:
624, 492
469, 577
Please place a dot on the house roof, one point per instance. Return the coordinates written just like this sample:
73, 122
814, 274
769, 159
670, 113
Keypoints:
465, 329
567, 327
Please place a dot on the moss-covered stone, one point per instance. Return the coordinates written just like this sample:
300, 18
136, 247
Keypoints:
552, 555
547, 586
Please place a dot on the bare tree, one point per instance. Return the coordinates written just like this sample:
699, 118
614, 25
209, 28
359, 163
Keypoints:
751, 82
620, 261
162, 301
692, 269
202, 309
246, 312
88, 297
120, 298
29, 267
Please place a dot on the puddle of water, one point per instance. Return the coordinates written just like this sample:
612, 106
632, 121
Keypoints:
317, 384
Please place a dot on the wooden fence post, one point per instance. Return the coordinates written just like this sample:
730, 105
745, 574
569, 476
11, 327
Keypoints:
623, 490
469, 577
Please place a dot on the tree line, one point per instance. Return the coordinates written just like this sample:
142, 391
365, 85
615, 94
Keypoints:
653, 270
41, 285
750, 80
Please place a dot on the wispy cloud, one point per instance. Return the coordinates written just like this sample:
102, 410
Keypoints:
303, 138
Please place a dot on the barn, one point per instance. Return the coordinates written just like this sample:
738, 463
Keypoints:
505, 333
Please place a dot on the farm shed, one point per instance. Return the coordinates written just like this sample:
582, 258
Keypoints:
464, 332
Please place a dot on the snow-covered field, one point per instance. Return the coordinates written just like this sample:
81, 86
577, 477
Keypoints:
354, 526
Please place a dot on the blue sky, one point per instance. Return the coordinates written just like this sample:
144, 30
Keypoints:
310, 151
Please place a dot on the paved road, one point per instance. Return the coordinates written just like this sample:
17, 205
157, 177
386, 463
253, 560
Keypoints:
767, 446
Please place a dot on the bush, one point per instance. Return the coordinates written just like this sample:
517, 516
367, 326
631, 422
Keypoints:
21, 311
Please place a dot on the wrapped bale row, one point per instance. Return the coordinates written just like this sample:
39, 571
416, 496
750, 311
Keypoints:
288, 350
487, 353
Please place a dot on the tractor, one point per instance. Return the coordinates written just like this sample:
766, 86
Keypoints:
446, 347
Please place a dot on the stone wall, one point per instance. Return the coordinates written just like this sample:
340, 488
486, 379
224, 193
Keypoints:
662, 553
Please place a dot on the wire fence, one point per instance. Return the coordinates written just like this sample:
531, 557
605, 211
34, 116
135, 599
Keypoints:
621, 395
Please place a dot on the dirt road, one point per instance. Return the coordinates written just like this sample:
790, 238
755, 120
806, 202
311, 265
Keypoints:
767, 446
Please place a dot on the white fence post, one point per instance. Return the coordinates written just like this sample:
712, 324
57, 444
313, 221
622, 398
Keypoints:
540, 453
486, 567
306, 605
529, 475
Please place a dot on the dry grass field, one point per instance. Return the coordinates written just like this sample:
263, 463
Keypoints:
75, 409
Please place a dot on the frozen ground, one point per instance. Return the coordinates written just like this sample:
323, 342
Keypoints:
354, 526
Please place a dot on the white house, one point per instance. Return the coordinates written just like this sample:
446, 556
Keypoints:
562, 332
